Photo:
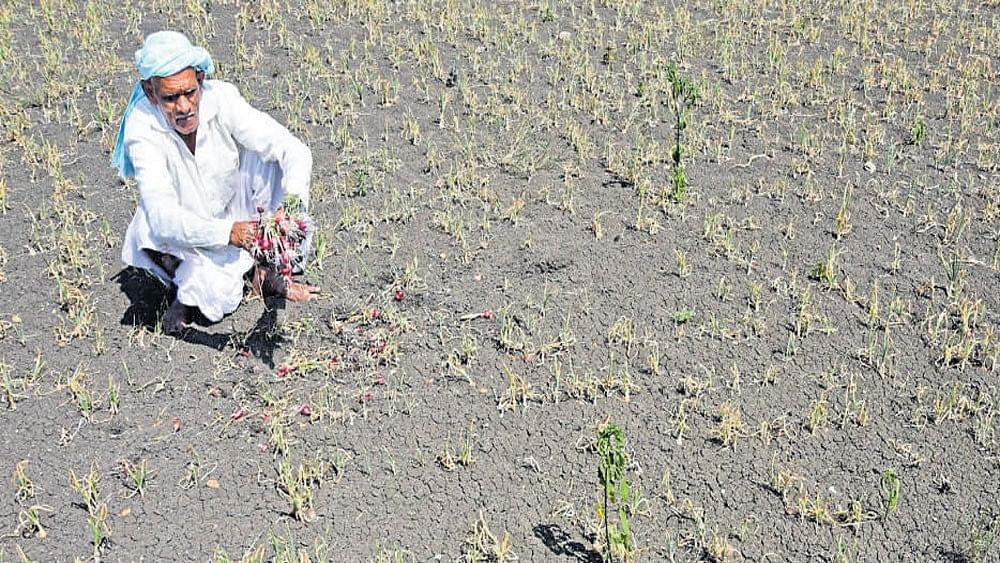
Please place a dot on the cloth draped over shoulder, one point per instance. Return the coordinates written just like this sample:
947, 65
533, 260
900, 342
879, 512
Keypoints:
164, 53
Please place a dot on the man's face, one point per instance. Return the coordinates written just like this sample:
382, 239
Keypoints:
177, 96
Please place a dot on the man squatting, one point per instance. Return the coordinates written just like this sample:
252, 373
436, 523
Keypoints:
204, 161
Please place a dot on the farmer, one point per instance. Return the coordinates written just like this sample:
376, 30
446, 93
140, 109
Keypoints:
204, 161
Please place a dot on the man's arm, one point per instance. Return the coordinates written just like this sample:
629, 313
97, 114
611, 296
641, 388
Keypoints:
259, 132
170, 223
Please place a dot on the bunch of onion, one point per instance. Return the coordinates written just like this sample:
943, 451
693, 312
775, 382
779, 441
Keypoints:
280, 237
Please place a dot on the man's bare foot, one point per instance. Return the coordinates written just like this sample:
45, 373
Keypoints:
176, 319
265, 282
299, 292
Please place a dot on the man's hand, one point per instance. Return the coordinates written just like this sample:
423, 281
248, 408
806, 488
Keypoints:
242, 234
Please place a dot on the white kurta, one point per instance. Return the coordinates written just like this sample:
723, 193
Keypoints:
187, 203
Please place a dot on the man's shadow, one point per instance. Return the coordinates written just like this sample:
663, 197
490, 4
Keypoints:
265, 337
560, 542
149, 298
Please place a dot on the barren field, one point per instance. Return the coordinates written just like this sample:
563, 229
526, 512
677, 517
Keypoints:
760, 237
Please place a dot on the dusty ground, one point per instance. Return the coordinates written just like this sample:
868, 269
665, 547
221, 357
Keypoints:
802, 348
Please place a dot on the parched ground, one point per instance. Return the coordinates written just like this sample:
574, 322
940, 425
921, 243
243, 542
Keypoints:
800, 339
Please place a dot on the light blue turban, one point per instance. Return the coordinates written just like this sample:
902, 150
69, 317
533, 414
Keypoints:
164, 53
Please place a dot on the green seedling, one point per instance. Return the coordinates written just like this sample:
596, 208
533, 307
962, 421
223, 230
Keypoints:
918, 131
450, 460
24, 488
82, 396
782, 480
653, 356
841, 553
730, 425
194, 472
100, 531
519, 391
483, 546
446, 459
842, 223
616, 493
818, 414
296, 482
854, 409
683, 96
465, 457
29, 521
719, 550
683, 315
891, 485
298, 493
114, 396
278, 435
8, 385
755, 299
597, 227
983, 534
623, 332
285, 548
387, 555
683, 267
137, 477
666, 487
221, 556
828, 271
339, 463
88, 488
